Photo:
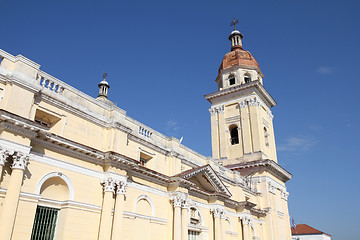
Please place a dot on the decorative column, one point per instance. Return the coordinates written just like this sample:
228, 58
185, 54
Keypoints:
218, 213
4, 154
10, 204
119, 210
108, 204
184, 219
177, 198
246, 224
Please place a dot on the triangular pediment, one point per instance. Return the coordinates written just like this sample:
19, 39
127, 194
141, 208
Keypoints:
206, 179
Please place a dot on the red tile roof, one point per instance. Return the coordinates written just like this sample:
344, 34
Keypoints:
305, 229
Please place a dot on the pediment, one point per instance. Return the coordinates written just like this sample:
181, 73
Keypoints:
206, 179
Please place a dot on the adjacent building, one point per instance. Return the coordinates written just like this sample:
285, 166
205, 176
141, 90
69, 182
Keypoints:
305, 232
77, 167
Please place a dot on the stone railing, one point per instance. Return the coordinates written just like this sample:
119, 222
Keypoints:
144, 132
49, 82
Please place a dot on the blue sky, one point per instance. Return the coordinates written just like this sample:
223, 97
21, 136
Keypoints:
163, 56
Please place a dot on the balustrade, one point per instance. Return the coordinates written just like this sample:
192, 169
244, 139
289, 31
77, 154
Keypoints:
49, 82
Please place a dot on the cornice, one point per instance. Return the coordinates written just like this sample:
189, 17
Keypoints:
149, 144
68, 148
268, 164
19, 125
78, 111
254, 84
20, 58
209, 172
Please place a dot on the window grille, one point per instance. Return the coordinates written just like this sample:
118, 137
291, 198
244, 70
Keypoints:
44, 223
193, 235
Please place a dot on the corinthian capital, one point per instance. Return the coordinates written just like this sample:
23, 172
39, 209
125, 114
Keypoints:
179, 199
121, 187
20, 161
4, 154
215, 110
218, 212
246, 220
108, 185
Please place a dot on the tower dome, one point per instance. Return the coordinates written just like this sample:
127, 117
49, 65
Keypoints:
241, 58
238, 66
238, 56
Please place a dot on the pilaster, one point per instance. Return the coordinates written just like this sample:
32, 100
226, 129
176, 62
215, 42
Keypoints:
119, 210
10, 204
180, 200
108, 204
218, 214
246, 225
184, 219
4, 154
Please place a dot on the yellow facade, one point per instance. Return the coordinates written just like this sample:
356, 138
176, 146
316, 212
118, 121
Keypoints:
88, 171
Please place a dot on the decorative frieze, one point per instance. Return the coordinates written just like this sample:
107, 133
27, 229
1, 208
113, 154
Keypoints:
109, 184
20, 161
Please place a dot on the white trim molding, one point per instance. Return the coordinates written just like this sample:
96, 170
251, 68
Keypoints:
146, 198
59, 175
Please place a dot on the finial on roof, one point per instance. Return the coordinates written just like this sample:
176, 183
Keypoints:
103, 86
235, 36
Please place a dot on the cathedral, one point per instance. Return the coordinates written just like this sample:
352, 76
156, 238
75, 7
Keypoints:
75, 167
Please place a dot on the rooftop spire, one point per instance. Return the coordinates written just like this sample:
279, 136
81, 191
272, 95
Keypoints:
235, 36
103, 87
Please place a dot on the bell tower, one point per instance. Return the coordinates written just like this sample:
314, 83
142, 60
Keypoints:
241, 119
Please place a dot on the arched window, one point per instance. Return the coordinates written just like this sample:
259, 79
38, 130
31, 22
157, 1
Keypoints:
247, 78
231, 79
234, 134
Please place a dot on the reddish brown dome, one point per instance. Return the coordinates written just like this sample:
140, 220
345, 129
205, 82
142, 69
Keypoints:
241, 58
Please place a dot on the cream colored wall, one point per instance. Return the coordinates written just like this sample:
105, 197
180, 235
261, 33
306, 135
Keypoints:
79, 218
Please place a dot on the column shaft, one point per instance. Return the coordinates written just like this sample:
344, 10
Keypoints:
106, 220
177, 223
247, 235
184, 224
118, 217
1, 170
222, 228
217, 228
10, 204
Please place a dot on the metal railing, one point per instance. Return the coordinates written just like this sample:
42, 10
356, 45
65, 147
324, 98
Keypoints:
44, 223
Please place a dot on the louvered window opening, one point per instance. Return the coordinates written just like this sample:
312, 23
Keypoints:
44, 223
193, 235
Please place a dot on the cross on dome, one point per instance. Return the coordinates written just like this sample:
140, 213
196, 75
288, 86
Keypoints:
235, 36
234, 22
104, 75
